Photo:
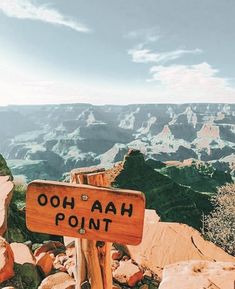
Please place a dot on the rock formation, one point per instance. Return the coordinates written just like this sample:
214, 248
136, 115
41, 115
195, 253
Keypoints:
6, 190
6, 261
167, 243
199, 275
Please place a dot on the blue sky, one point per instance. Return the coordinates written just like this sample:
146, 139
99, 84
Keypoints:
117, 52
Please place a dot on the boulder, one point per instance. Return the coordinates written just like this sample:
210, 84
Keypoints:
59, 261
116, 254
6, 261
59, 280
168, 243
22, 254
199, 275
6, 191
128, 273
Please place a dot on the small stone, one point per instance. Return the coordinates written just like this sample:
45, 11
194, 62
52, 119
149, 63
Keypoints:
114, 265
128, 273
70, 267
144, 286
116, 286
54, 247
148, 274
116, 254
59, 281
22, 254
125, 258
28, 244
45, 262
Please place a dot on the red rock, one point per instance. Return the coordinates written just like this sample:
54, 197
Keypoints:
6, 191
6, 261
22, 254
45, 262
128, 273
116, 254
168, 243
58, 281
199, 275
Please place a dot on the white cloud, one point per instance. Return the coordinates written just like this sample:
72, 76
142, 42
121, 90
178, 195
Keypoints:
198, 82
146, 35
25, 9
140, 55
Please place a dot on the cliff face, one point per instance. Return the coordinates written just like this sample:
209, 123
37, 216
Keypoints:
46, 141
4, 170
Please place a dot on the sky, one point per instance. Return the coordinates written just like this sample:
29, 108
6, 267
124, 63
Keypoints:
117, 52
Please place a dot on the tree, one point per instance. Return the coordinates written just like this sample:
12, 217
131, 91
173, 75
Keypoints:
219, 225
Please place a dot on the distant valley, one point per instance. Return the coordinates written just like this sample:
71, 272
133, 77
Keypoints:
50, 140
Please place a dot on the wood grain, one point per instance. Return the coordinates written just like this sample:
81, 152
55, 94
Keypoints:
123, 229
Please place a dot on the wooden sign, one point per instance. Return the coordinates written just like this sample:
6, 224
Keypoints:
84, 211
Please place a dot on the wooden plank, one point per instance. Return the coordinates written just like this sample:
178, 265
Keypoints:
81, 273
92, 260
84, 211
87, 248
104, 251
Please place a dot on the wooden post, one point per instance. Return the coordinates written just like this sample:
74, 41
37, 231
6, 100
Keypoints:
104, 251
81, 269
81, 275
88, 248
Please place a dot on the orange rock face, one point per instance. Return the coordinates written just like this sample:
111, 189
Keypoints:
6, 261
22, 254
58, 281
168, 243
128, 273
199, 275
6, 188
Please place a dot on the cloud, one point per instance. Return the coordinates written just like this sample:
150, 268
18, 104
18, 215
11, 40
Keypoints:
147, 35
140, 55
198, 82
25, 9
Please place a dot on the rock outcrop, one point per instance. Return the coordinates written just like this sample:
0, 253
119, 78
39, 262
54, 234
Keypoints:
6, 261
58, 281
128, 273
6, 190
199, 275
168, 243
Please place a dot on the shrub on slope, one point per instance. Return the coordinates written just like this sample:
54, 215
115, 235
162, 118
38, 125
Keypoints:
219, 226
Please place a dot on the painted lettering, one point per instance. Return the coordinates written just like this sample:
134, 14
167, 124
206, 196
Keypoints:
127, 210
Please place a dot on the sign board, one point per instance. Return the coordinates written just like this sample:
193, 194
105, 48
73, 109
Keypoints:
84, 211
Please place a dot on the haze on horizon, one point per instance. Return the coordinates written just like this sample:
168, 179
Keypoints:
116, 52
